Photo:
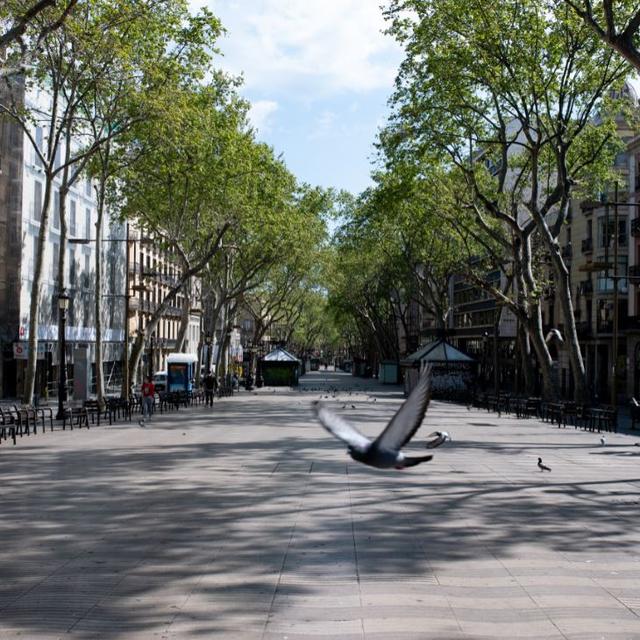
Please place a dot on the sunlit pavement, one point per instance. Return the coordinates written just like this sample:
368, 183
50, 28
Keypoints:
249, 521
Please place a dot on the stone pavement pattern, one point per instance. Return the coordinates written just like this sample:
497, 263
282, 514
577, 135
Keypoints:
250, 522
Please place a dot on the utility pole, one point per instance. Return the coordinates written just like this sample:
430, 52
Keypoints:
614, 348
126, 384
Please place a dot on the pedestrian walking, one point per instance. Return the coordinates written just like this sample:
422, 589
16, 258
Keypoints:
210, 385
148, 394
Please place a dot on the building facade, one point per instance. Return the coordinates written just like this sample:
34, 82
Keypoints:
21, 201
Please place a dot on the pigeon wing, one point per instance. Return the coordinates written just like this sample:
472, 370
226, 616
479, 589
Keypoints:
341, 429
408, 418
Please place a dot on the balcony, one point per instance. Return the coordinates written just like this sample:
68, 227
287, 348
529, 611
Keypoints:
587, 245
584, 330
605, 326
586, 287
635, 227
634, 274
587, 206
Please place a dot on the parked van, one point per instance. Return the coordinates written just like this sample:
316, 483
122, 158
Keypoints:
160, 381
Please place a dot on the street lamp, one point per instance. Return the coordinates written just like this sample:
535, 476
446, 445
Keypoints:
208, 341
63, 306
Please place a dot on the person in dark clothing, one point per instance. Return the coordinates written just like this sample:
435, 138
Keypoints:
210, 384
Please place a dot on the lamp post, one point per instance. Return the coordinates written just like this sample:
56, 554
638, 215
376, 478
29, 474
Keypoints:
152, 350
63, 306
208, 341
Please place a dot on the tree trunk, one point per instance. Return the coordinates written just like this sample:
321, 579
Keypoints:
184, 319
528, 371
34, 304
98, 288
563, 282
536, 335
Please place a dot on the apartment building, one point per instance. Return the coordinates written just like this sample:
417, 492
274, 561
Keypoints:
21, 197
598, 247
153, 271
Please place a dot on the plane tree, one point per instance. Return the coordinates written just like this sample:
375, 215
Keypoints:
512, 100
615, 22
25, 27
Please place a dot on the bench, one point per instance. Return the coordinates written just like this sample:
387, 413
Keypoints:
9, 424
78, 414
634, 410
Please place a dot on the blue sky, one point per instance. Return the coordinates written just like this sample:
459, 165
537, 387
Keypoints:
318, 74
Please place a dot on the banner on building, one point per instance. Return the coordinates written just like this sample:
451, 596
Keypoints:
21, 350
508, 327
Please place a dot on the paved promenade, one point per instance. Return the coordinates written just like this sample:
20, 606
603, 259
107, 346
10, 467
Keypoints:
250, 522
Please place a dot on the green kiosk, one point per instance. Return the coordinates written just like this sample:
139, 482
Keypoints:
280, 369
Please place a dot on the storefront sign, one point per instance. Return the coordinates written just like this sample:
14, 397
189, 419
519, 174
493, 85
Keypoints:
21, 350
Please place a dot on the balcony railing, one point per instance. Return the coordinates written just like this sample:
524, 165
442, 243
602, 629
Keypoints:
634, 273
584, 329
587, 206
586, 287
605, 326
587, 245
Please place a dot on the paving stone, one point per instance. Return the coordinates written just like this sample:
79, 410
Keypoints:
255, 524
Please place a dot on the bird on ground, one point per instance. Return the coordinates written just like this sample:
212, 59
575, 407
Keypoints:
438, 438
602, 441
542, 467
385, 451
353, 406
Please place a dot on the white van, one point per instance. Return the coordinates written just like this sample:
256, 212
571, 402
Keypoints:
160, 381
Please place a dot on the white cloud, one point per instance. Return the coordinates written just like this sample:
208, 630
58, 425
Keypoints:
336, 44
261, 113
324, 125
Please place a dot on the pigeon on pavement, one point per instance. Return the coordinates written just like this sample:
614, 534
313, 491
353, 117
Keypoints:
383, 452
438, 438
602, 441
541, 466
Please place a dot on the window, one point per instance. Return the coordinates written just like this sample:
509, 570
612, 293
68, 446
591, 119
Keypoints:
73, 271
32, 259
56, 210
606, 231
73, 226
87, 271
58, 157
87, 219
37, 201
39, 144
87, 187
604, 284
54, 261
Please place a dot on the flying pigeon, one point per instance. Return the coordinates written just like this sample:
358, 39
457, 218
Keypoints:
438, 438
542, 467
554, 334
383, 452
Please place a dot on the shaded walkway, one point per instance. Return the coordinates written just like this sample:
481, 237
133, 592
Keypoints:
251, 522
